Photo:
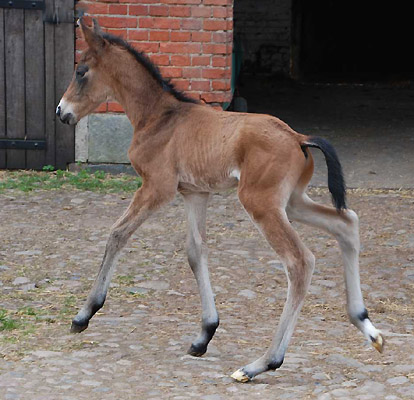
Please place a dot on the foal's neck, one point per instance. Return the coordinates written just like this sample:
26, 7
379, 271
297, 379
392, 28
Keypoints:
141, 96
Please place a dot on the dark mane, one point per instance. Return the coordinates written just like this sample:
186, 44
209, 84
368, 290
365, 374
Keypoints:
143, 59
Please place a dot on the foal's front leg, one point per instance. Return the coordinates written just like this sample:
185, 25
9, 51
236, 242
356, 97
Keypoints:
195, 206
144, 203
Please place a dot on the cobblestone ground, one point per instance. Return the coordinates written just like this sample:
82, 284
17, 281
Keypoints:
52, 244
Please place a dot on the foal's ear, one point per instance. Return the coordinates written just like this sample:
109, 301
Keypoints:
96, 28
93, 37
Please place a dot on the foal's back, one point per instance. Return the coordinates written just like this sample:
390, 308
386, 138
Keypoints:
212, 146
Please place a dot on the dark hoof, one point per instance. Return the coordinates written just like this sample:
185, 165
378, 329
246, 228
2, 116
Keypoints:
197, 350
78, 327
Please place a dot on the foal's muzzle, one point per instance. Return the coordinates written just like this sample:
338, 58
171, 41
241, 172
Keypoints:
67, 118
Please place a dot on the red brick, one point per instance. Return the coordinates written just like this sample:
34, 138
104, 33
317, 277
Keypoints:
214, 73
137, 35
191, 24
215, 97
214, 25
200, 60
102, 108
220, 12
181, 84
201, 36
220, 61
109, 1
115, 107
180, 11
180, 36
135, 9
159, 11
118, 32
221, 37
166, 23
216, 2
117, 22
194, 72
161, 59
180, 48
181, 1
159, 35
200, 85
180, 61
120, 9
216, 48
151, 47
203, 12
171, 72
93, 8
146, 22
221, 84
139, 1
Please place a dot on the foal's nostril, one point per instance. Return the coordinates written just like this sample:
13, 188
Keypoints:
58, 111
66, 118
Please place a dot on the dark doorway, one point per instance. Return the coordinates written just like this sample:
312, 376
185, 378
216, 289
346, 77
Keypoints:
353, 40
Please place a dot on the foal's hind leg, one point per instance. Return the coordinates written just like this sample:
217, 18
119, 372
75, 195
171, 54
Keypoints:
299, 263
195, 206
145, 201
344, 227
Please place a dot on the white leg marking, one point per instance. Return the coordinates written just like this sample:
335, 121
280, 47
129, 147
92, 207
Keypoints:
235, 173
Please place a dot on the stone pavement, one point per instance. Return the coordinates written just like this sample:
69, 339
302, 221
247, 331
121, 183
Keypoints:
51, 246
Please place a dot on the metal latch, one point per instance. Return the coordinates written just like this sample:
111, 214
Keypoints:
22, 144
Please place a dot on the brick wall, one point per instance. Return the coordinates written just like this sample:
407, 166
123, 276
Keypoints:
264, 30
190, 40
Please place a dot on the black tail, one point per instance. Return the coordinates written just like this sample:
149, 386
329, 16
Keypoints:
336, 182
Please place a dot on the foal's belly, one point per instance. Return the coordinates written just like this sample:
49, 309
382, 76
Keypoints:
189, 183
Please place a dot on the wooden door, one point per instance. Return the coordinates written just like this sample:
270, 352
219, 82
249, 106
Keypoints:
37, 49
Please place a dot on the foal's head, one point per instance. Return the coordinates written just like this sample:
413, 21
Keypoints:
108, 64
89, 86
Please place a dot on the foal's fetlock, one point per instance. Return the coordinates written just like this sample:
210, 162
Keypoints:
248, 372
363, 323
81, 321
79, 325
274, 365
199, 347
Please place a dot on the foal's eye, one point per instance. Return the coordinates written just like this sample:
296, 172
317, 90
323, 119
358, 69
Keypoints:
81, 71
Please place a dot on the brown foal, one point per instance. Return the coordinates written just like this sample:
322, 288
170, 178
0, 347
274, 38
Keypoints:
181, 145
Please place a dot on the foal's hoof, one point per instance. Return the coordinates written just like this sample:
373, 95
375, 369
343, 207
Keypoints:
378, 342
78, 327
241, 376
197, 350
